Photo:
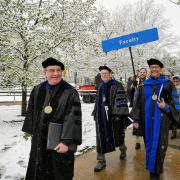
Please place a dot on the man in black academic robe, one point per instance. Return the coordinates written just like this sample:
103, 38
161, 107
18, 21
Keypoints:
110, 114
152, 108
53, 101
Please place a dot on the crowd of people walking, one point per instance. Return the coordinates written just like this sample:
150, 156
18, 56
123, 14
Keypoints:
150, 102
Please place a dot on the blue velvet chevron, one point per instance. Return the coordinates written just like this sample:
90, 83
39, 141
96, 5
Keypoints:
176, 98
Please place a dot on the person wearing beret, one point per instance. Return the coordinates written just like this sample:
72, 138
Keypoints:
153, 109
53, 101
110, 114
176, 100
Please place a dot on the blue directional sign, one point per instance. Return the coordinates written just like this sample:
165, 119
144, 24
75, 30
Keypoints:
129, 40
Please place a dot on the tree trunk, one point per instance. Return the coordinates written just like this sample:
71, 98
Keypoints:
24, 100
75, 78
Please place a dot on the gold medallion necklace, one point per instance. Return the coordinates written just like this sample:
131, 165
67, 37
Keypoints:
48, 109
154, 96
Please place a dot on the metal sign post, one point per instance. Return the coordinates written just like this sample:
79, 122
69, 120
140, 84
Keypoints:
132, 61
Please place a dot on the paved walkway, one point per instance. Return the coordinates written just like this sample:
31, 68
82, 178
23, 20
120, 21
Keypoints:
132, 168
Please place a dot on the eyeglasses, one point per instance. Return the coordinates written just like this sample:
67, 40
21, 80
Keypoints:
154, 67
53, 70
104, 73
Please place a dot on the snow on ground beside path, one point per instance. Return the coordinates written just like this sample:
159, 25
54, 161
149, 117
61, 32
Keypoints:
14, 149
88, 127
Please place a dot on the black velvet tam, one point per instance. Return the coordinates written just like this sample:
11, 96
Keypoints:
153, 61
52, 62
105, 68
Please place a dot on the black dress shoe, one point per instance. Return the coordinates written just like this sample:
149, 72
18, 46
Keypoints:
174, 133
154, 176
100, 166
123, 150
138, 146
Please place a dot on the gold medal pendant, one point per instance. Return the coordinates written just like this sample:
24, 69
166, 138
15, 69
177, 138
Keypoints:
48, 109
154, 97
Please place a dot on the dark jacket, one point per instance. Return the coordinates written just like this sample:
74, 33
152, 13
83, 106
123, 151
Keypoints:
48, 164
139, 131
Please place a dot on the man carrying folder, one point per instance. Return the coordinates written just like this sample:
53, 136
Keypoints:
54, 121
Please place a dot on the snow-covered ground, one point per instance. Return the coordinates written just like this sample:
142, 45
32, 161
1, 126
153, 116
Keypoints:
14, 148
10, 98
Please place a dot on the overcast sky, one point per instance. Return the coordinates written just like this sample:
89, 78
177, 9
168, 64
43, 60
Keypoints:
172, 11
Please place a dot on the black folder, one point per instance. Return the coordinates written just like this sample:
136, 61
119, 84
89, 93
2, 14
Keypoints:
54, 137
